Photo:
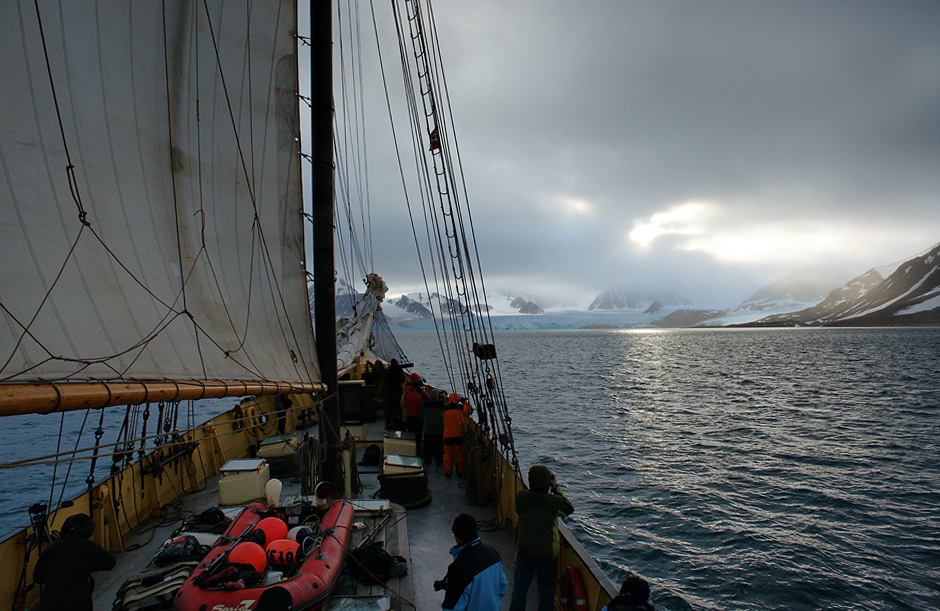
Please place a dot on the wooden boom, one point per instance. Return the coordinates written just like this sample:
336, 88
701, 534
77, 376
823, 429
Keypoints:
45, 398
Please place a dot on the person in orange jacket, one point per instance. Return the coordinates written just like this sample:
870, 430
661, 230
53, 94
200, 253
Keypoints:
455, 419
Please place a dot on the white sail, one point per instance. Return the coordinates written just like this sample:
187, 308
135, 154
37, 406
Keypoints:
182, 137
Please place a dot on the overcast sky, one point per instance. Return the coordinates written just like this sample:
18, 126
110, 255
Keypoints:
707, 147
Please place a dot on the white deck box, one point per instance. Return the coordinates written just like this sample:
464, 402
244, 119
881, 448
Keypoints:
278, 446
399, 465
401, 443
243, 481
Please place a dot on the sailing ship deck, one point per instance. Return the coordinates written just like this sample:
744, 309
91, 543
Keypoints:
423, 537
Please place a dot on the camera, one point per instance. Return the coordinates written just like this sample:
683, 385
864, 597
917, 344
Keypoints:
37, 514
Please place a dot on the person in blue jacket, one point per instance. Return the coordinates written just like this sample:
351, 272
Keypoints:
475, 580
634, 596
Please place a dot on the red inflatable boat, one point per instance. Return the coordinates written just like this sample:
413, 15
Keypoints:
217, 584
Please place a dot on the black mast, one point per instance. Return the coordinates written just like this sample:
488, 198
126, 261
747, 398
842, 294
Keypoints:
323, 193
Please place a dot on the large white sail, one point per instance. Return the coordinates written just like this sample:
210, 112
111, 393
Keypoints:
172, 130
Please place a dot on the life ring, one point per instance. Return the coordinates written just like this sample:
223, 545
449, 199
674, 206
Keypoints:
253, 421
573, 595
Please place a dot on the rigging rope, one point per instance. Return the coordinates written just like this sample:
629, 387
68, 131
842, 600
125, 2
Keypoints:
99, 432
460, 295
120, 446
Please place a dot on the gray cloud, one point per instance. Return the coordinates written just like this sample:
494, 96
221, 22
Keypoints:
813, 122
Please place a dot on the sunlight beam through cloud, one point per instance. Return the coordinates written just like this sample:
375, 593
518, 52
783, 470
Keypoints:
684, 219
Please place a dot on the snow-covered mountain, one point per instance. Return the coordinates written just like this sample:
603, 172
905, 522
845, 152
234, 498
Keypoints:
346, 299
796, 292
405, 308
903, 293
415, 306
634, 299
526, 307
807, 286
906, 293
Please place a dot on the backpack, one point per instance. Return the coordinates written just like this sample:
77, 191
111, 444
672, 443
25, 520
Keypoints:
181, 549
373, 564
371, 457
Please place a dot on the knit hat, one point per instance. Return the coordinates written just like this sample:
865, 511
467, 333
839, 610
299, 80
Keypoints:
465, 527
636, 587
415, 377
79, 525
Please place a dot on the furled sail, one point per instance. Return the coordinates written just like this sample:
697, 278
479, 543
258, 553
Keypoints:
353, 334
150, 193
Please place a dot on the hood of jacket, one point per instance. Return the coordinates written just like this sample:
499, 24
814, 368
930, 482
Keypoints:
540, 478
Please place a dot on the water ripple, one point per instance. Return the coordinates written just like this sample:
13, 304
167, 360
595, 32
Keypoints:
742, 469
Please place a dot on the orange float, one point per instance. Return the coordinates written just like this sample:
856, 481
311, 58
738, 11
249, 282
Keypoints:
305, 587
573, 594
273, 529
282, 553
248, 553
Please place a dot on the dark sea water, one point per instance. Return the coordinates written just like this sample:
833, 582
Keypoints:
37, 435
739, 469
733, 469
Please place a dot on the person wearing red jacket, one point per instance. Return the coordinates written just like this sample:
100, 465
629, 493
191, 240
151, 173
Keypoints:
455, 420
412, 400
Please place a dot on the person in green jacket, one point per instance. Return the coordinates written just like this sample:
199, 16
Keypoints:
537, 542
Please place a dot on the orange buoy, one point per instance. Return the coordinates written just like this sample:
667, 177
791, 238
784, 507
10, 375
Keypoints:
282, 552
273, 529
249, 553
310, 582
573, 595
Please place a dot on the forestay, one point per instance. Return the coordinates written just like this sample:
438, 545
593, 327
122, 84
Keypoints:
150, 192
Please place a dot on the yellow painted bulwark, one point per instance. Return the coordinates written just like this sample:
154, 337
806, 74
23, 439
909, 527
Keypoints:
144, 489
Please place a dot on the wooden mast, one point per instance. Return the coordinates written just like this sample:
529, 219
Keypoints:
323, 195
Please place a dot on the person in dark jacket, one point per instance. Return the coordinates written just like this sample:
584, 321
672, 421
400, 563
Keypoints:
475, 580
391, 396
634, 596
433, 419
282, 405
65, 567
537, 541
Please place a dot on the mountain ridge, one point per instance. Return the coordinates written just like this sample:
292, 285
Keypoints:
903, 293
909, 295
